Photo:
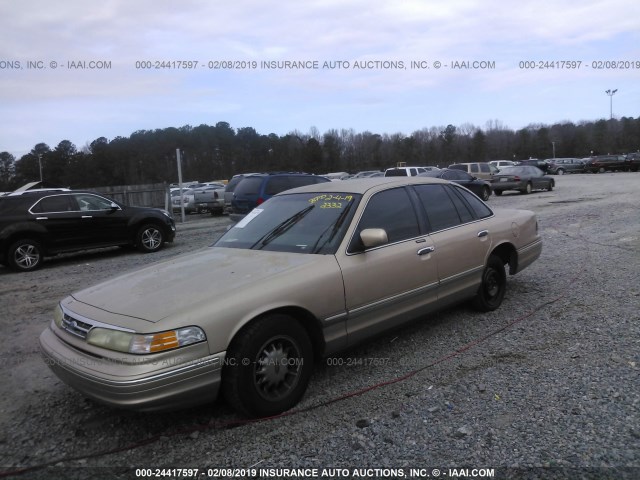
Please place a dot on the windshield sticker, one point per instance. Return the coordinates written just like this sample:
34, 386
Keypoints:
331, 200
248, 217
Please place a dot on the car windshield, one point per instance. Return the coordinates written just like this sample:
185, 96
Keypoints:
300, 223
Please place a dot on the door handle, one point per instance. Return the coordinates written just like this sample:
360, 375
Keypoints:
87, 216
483, 233
426, 250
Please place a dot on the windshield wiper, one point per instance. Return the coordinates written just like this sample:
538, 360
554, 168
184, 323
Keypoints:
334, 229
282, 227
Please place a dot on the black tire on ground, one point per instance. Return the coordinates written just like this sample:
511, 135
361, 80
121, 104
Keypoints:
493, 287
560, 171
268, 366
527, 189
550, 187
486, 193
25, 255
498, 192
149, 238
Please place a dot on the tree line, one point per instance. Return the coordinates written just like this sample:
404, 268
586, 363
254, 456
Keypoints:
220, 151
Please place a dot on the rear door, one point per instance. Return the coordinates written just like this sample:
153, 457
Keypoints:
460, 241
59, 215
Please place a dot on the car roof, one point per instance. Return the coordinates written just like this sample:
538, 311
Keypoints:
362, 185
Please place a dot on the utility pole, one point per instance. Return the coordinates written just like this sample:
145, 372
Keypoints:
611, 93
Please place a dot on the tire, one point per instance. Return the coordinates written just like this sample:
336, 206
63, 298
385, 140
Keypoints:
149, 238
560, 171
527, 189
550, 187
268, 366
498, 192
493, 287
25, 255
601, 170
486, 193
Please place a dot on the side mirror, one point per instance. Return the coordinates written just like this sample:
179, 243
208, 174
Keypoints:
373, 237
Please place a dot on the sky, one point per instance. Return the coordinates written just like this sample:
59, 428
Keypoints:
78, 70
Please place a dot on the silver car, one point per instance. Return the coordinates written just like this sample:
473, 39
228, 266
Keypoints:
308, 273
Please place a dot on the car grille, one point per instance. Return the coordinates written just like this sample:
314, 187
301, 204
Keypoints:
75, 327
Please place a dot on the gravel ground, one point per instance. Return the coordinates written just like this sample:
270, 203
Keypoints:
548, 386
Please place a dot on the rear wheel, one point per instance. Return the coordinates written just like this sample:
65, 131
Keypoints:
498, 192
527, 189
150, 238
493, 286
268, 366
25, 255
560, 171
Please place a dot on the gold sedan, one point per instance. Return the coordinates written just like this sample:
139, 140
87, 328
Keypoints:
310, 272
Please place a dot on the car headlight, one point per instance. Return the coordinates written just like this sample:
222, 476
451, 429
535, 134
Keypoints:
141, 344
58, 316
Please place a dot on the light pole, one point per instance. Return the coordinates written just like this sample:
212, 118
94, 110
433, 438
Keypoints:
40, 165
553, 144
611, 93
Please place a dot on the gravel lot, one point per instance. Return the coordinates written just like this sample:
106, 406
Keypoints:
548, 386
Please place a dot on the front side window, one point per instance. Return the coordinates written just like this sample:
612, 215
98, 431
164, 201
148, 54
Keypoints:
392, 211
88, 202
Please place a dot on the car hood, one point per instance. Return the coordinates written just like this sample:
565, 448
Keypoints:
169, 287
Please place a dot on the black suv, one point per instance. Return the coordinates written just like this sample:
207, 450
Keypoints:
38, 224
259, 187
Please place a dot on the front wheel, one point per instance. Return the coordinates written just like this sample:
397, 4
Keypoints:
560, 171
268, 366
486, 193
150, 238
550, 186
25, 255
493, 287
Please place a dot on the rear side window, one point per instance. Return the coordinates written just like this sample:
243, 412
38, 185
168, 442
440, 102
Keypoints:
484, 168
58, 203
249, 186
441, 210
301, 181
233, 183
277, 185
480, 210
474, 168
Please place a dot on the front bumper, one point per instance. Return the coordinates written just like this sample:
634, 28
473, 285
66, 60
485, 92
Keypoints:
162, 386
